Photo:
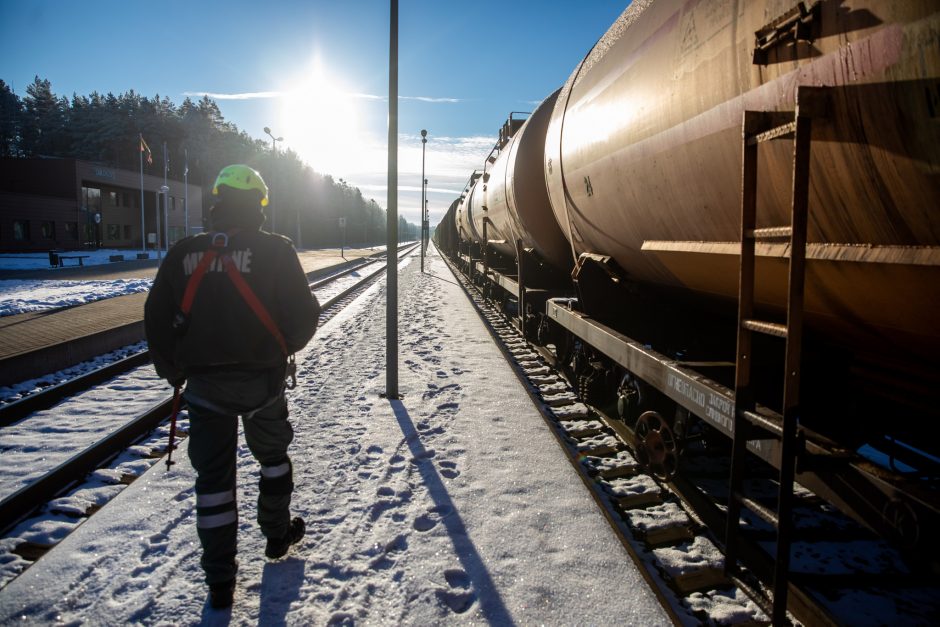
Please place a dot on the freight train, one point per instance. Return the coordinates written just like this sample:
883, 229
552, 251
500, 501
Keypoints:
727, 220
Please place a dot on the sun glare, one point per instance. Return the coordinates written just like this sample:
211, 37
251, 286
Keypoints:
320, 121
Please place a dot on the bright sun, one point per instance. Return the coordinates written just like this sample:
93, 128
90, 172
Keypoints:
320, 122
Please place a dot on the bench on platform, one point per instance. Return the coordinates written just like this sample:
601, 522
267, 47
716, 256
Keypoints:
57, 260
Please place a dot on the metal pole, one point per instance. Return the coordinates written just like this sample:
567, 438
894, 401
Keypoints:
270, 195
424, 141
166, 219
143, 224
391, 299
274, 141
156, 215
186, 192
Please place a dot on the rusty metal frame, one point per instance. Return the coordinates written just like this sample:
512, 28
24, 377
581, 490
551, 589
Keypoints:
867, 493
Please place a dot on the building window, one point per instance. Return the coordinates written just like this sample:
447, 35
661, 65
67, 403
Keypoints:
127, 231
71, 230
21, 230
113, 198
91, 198
47, 228
114, 232
125, 199
136, 201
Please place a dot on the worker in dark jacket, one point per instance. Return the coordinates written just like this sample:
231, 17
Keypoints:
226, 313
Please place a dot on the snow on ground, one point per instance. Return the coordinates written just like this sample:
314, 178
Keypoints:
17, 391
453, 505
58, 433
22, 296
40, 260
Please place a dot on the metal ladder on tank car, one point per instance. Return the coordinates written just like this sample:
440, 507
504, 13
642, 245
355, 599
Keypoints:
749, 425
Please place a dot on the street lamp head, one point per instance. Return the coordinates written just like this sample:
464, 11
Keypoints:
267, 130
424, 133
279, 139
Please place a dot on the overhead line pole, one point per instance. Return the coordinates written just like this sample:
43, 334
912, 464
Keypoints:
424, 141
391, 299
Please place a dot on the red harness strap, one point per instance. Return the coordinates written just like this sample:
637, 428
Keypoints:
240, 284
256, 306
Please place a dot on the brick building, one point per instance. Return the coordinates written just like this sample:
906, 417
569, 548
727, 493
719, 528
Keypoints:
68, 204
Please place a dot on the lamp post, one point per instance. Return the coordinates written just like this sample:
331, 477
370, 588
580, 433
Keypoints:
274, 141
424, 182
165, 192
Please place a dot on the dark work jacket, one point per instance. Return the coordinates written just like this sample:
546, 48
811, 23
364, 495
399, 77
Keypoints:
222, 331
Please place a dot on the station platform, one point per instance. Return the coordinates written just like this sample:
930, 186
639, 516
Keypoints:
35, 343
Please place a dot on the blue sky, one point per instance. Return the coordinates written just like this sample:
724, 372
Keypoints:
316, 71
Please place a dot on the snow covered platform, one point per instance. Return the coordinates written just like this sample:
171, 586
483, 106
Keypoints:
453, 505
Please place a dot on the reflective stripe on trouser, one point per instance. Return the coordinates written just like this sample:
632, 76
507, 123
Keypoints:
268, 433
213, 442
213, 439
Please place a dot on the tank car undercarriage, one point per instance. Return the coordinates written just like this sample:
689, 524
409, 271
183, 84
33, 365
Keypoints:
661, 371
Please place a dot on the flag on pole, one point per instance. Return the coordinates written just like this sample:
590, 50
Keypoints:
145, 148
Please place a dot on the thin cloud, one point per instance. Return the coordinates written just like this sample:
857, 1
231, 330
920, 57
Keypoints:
418, 98
249, 95
429, 99
257, 95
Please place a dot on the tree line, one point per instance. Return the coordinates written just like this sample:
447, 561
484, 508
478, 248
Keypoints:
106, 128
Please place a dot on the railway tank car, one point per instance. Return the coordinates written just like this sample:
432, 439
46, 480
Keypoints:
643, 157
510, 197
695, 132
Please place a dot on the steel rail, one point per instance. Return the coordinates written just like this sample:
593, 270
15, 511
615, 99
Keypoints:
27, 499
11, 412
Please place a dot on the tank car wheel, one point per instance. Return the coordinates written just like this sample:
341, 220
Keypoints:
656, 446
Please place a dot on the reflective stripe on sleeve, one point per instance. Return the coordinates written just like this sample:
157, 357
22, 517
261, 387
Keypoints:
216, 498
216, 520
271, 472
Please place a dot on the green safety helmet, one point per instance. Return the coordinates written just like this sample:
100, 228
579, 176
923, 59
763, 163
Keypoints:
241, 177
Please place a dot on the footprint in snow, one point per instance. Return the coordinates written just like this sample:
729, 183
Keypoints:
425, 522
457, 578
449, 470
459, 601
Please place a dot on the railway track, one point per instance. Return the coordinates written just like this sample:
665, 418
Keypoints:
672, 525
145, 434
50, 395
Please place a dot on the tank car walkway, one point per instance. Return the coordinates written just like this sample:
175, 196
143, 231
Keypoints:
32, 344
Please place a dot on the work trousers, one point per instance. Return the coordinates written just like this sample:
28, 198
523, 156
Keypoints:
213, 444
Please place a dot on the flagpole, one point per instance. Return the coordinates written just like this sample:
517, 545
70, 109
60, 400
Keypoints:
143, 226
186, 191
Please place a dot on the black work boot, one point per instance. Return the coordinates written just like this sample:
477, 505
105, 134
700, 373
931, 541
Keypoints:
222, 594
277, 547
